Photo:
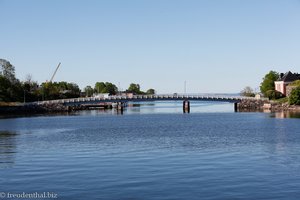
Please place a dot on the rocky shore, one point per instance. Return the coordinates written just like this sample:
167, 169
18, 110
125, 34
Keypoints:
45, 108
262, 105
275, 106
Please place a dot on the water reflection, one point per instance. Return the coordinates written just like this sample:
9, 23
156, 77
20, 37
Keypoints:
7, 149
176, 107
286, 114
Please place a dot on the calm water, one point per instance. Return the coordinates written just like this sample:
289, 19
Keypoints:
153, 152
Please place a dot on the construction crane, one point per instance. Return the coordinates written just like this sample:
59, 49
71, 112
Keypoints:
54, 72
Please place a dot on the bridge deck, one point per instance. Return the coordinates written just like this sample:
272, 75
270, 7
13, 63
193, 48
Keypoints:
139, 98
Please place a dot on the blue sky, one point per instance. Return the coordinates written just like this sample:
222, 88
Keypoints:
215, 46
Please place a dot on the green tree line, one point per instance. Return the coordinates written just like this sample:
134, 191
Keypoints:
14, 90
112, 89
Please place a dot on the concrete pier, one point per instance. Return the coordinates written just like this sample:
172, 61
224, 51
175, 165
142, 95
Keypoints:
235, 107
120, 107
186, 106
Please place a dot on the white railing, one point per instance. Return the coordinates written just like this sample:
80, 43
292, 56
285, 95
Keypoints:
150, 97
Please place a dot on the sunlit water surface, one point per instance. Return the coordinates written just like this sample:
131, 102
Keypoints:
153, 151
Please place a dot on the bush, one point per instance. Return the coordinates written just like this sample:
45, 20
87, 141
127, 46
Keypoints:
294, 98
247, 92
273, 94
295, 83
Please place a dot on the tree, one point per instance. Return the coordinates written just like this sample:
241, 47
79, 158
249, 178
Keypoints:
10, 86
294, 98
110, 88
72, 91
273, 94
4, 89
30, 89
11, 89
100, 87
8, 70
49, 91
134, 88
62, 86
88, 91
247, 92
59, 90
150, 91
268, 82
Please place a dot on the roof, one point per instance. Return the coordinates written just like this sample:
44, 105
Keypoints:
289, 77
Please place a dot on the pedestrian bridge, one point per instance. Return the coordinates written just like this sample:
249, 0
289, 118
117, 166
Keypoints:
142, 98
120, 100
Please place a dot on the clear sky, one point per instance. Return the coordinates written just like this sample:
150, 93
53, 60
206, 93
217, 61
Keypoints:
214, 45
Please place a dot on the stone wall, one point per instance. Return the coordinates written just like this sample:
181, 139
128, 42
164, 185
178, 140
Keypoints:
289, 90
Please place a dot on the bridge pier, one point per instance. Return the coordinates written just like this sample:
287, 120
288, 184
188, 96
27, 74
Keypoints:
235, 107
186, 106
120, 107
68, 108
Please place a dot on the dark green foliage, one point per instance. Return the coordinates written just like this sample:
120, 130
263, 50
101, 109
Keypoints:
59, 90
7, 70
294, 98
150, 91
10, 87
71, 91
5, 89
273, 94
111, 88
48, 91
31, 91
101, 87
268, 83
135, 88
89, 91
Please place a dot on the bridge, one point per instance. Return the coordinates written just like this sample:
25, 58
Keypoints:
120, 100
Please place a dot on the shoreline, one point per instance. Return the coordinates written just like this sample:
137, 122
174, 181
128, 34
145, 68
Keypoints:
46, 109
265, 106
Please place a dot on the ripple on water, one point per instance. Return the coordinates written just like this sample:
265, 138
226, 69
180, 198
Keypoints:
168, 156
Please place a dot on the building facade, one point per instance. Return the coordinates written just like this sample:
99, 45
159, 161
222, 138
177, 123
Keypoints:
284, 80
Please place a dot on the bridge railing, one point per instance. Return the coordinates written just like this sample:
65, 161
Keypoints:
154, 97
